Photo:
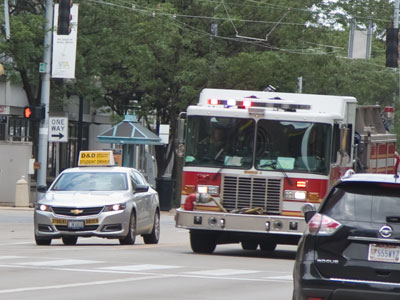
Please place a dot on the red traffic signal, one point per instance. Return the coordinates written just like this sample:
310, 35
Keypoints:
34, 113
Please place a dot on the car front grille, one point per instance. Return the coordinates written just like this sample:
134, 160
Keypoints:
86, 228
252, 192
77, 211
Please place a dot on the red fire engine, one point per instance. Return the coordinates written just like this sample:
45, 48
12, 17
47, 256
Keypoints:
253, 160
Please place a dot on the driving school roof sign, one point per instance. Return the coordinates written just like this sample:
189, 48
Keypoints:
58, 129
96, 158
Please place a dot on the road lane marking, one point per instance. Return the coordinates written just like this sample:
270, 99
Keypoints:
144, 267
59, 263
18, 243
222, 272
182, 275
80, 284
10, 257
287, 277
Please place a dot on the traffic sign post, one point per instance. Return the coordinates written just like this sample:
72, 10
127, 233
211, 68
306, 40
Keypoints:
58, 129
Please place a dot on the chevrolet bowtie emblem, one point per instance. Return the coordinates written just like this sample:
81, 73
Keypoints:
76, 211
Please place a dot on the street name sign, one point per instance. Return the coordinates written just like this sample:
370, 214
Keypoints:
58, 129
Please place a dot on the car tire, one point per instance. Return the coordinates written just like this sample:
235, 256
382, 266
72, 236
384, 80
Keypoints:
154, 236
268, 245
42, 241
131, 236
203, 242
69, 240
249, 245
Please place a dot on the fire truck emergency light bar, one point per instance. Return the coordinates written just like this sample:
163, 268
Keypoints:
246, 103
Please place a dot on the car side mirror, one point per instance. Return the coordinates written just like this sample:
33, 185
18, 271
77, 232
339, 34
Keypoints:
141, 188
308, 215
42, 188
309, 211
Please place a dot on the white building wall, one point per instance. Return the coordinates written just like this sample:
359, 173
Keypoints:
14, 163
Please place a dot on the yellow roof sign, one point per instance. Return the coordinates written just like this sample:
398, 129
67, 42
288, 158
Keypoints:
96, 158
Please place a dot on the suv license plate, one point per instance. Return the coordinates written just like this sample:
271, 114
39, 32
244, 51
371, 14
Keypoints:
75, 224
384, 253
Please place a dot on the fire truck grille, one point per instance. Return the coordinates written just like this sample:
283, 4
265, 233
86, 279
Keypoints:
244, 192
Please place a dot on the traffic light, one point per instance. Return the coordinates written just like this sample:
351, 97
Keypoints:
34, 113
64, 17
392, 47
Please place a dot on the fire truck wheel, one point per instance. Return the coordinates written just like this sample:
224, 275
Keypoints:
249, 245
202, 242
267, 246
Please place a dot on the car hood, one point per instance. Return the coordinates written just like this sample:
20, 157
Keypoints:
84, 198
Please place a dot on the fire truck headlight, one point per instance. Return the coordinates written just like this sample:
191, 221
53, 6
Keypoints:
295, 195
208, 189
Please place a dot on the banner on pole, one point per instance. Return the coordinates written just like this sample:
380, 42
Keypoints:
64, 47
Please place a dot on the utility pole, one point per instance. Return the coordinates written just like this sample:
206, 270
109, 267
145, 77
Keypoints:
396, 25
6, 20
45, 96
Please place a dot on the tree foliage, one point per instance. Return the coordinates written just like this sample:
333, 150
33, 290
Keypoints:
155, 56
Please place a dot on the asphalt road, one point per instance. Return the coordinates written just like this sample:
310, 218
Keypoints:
102, 269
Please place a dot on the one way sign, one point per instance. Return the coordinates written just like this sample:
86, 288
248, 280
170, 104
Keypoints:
58, 129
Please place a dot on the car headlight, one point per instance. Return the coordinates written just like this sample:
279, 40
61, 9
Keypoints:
43, 207
115, 207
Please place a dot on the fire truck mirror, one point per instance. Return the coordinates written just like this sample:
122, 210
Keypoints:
344, 140
180, 151
181, 130
345, 145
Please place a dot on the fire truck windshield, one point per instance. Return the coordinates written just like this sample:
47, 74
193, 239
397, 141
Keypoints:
279, 145
293, 146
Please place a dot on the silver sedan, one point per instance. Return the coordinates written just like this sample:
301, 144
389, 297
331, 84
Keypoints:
107, 202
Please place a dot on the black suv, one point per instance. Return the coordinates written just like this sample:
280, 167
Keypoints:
351, 248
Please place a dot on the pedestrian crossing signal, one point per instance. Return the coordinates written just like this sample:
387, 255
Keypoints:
34, 113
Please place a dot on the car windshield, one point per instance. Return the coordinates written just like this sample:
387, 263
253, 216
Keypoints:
91, 181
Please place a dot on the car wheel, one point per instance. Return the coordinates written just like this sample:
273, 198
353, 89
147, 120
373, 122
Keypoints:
268, 245
69, 240
131, 236
203, 242
154, 236
42, 241
249, 245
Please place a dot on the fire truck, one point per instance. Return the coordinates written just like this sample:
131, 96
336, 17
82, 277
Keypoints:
254, 160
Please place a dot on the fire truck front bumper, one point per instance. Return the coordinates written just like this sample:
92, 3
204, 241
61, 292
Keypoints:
246, 223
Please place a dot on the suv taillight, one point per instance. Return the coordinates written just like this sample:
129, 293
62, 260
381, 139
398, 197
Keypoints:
322, 225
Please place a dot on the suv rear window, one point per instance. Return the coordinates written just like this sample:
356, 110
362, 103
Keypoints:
364, 202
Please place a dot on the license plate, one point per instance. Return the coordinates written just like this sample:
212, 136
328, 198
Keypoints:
74, 224
59, 221
91, 221
384, 253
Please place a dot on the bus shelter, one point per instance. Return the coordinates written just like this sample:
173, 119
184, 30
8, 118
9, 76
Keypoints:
136, 141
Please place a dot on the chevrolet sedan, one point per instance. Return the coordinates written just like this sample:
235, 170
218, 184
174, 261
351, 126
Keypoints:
107, 201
